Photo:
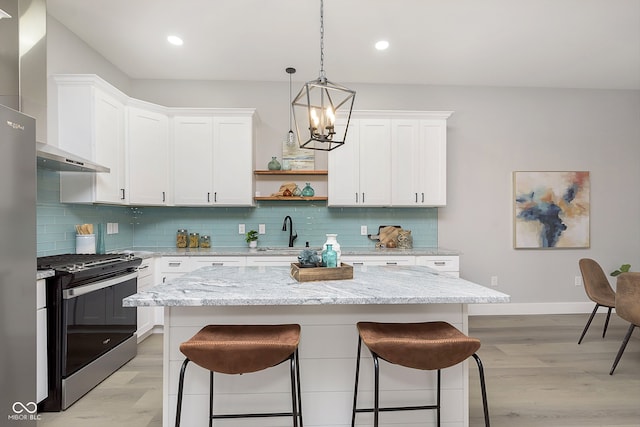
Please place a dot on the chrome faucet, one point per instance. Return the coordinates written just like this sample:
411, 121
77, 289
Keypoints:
292, 237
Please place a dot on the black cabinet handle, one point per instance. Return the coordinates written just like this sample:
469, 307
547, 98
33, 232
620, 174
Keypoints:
208, 197
122, 192
163, 197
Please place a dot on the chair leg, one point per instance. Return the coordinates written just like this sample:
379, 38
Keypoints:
622, 347
355, 389
210, 398
438, 399
180, 390
294, 391
593, 313
483, 388
376, 386
298, 387
606, 322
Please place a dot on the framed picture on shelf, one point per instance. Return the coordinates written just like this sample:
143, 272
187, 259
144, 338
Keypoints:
551, 209
297, 158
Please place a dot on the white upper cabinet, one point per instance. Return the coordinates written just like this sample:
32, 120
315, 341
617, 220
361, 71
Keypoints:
158, 156
90, 122
359, 170
391, 158
148, 150
233, 183
192, 160
213, 159
419, 161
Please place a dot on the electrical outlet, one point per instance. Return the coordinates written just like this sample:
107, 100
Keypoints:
577, 281
241, 229
363, 230
115, 228
261, 229
494, 281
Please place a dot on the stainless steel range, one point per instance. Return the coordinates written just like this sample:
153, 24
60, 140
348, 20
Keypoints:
90, 334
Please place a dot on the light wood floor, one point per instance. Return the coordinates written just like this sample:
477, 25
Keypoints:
537, 375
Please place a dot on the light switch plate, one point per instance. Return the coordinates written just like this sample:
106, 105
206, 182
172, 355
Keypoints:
262, 229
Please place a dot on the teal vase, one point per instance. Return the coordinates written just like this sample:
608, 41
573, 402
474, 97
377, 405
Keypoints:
274, 164
307, 191
330, 257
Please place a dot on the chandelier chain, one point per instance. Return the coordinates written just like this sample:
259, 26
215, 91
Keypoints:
322, 74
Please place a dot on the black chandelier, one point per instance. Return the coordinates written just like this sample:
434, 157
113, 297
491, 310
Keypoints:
318, 103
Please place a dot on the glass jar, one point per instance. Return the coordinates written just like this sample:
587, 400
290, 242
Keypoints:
182, 239
307, 191
274, 164
330, 257
331, 240
205, 241
194, 240
297, 191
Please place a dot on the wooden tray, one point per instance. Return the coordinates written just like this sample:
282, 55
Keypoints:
345, 271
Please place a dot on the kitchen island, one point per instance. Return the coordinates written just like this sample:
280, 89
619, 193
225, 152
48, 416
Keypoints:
327, 312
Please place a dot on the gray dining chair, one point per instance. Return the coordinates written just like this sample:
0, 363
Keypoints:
598, 290
627, 307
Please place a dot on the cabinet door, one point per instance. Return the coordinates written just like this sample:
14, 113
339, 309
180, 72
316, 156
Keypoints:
109, 149
233, 161
433, 177
344, 169
192, 160
148, 148
375, 162
90, 123
406, 163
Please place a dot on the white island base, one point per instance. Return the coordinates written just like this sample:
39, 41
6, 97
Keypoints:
327, 361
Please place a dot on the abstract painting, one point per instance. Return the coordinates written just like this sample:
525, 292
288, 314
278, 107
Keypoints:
551, 209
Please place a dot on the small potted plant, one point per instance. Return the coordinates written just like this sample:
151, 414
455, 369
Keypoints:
252, 238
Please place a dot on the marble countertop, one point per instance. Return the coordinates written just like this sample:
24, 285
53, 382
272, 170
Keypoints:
43, 274
273, 286
146, 252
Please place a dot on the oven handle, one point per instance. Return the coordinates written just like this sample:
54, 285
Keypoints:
82, 290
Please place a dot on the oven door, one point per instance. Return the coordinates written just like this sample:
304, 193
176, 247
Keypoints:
94, 320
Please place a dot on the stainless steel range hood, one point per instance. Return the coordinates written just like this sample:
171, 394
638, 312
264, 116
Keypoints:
23, 78
50, 157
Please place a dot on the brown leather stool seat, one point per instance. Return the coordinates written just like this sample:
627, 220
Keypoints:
242, 349
425, 346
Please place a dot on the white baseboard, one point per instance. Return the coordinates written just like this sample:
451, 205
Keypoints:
531, 308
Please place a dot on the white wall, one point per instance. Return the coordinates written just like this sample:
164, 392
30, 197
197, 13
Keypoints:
493, 132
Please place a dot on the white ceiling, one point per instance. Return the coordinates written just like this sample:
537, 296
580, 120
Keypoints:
531, 43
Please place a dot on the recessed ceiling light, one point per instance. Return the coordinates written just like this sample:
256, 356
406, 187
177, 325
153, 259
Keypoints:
382, 45
175, 40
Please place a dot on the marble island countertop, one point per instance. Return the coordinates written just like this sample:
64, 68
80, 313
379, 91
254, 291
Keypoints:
273, 286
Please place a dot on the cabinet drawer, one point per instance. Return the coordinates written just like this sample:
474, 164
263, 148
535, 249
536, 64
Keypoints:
175, 265
378, 260
441, 263
145, 269
228, 261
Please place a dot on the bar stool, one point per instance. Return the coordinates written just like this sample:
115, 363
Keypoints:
425, 346
241, 349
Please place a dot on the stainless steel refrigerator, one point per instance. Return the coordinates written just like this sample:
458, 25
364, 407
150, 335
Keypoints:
17, 269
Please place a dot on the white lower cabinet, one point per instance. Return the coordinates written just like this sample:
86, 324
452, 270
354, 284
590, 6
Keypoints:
146, 315
42, 383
